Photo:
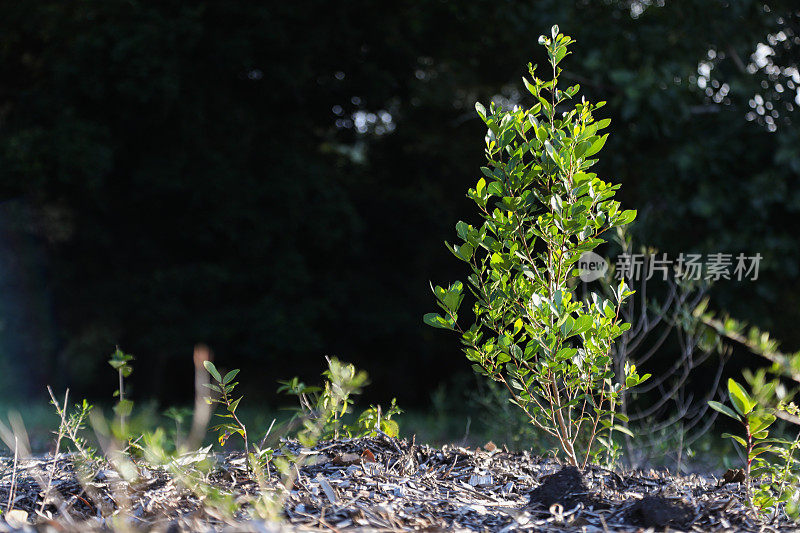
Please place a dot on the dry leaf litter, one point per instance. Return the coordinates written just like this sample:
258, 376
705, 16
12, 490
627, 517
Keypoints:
382, 484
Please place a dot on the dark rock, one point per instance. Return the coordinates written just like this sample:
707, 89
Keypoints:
566, 487
659, 512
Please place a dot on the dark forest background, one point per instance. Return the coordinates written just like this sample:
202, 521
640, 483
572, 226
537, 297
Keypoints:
277, 179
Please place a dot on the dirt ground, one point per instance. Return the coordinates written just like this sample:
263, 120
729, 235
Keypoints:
379, 484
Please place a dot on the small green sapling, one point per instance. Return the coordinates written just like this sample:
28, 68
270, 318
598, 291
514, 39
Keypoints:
542, 209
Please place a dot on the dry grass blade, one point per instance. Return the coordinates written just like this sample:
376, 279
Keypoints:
61, 429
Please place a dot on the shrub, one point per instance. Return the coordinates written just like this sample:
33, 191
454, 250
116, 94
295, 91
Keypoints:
322, 409
769, 462
542, 209
754, 422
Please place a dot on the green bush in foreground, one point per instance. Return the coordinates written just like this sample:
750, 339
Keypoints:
542, 210
324, 407
771, 471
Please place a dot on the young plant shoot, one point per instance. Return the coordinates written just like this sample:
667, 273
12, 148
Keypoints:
755, 422
542, 209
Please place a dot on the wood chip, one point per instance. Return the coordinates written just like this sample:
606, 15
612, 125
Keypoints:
383, 484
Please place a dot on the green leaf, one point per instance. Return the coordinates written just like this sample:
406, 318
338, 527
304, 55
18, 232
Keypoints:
531, 87
495, 188
596, 146
516, 351
560, 53
452, 297
565, 353
480, 187
123, 408
582, 324
580, 149
737, 438
759, 423
603, 123
552, 152
724, 409
626, 217
759, 450
465, 251
212, 370
632, 381
234, 404
567, 325
229, 376
623, 429
390, 427
739, 398
436, 321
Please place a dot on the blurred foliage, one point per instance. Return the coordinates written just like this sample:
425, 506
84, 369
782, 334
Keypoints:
234, 172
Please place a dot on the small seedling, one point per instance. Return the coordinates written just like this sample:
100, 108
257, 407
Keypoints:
178, 415
322, 408
121, 362
373, 420
782, 488
755, 423
224, 386
72, 423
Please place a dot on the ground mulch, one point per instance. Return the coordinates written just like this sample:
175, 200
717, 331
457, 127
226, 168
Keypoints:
383, 484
